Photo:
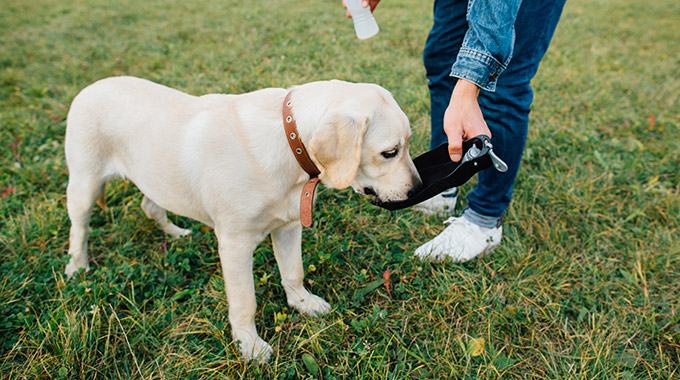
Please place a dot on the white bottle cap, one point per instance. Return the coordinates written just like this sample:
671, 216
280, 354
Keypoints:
365, 25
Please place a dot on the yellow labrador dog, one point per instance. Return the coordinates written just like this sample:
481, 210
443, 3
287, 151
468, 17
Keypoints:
224, 160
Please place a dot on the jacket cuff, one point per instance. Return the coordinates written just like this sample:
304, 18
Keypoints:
478, 68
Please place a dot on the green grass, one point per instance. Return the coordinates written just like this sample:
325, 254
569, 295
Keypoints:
585, 285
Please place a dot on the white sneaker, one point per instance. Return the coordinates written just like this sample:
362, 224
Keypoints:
461, 241
442, 204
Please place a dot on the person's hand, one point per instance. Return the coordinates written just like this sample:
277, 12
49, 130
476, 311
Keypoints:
463, 118
364, 3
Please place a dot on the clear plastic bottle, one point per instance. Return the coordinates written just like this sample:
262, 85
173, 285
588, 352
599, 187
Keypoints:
365, 25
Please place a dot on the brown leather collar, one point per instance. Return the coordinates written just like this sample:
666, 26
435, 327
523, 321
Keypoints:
302, 157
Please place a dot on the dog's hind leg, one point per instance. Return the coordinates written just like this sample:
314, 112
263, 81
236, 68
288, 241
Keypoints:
81, 194
287, 242
155, 212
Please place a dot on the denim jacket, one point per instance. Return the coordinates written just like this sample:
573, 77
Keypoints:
488, 43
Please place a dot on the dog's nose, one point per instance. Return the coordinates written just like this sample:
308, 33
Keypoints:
415, 189
369, 191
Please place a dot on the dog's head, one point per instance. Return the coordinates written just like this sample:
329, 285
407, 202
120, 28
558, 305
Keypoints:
361, 139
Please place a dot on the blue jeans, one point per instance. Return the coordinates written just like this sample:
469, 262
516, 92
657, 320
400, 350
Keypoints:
506, 110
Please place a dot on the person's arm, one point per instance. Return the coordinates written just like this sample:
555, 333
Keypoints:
488, 43
485, 53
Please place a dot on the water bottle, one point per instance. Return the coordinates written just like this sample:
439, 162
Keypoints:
364, 23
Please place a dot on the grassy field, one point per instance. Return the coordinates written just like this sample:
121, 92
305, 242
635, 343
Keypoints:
586, 284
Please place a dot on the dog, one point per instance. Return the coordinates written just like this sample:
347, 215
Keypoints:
224, 161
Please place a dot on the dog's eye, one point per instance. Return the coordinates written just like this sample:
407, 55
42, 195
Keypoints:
390, 153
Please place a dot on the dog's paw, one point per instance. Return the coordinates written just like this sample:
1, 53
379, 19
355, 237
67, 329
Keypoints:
72, 268
255, 349
176, 232
310, 305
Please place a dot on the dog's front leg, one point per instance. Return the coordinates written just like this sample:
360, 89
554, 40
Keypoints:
236, 258
287, 241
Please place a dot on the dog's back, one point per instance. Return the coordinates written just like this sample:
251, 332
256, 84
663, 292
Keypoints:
116, 111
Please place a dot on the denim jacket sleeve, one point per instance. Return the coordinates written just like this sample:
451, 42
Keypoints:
488, 43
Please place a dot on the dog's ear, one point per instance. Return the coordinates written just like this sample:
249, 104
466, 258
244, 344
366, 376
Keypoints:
337, 148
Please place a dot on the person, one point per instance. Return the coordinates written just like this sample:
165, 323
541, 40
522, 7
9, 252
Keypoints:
480, 57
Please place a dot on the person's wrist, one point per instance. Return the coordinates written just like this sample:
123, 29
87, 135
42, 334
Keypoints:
466, 89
